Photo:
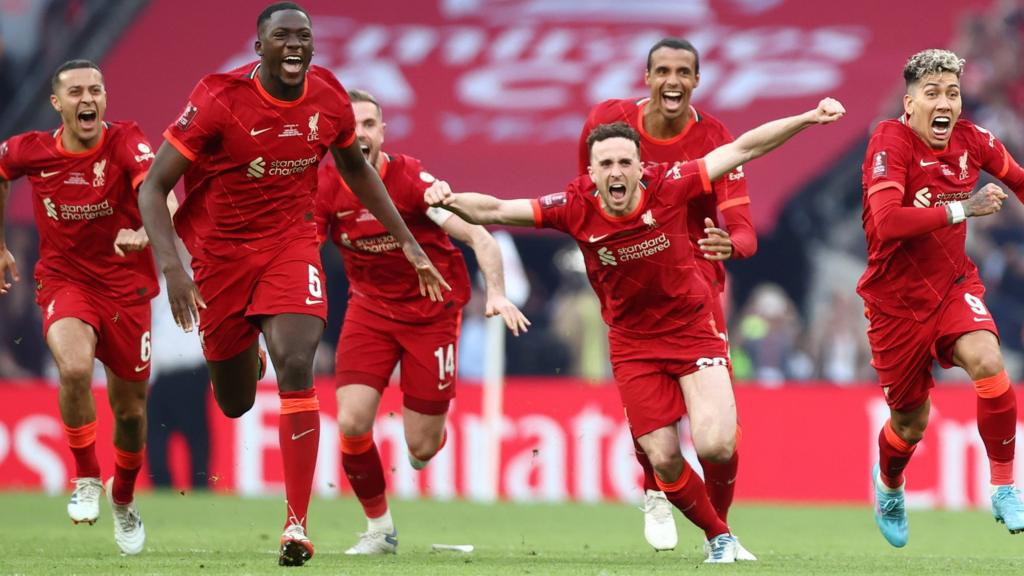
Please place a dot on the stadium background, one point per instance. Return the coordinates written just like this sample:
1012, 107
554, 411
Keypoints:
490, 94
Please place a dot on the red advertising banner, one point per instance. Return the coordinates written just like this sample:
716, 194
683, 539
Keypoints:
481, 89
562, 440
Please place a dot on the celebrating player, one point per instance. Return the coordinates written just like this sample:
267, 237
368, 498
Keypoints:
664, 345
923, 296
387, 322
94, 280
671, 130
248, 144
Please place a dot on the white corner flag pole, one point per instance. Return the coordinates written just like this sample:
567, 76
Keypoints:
517, 290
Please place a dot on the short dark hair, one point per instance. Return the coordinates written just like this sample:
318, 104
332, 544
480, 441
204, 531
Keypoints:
277, 7
71, 65
616, 130
675, 44
357, 95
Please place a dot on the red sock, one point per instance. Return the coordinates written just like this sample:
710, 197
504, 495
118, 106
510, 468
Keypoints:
720, 481
361, 463
299, 435
997, 424
126, 470
650, 482
893, 455
688, 494
82, 442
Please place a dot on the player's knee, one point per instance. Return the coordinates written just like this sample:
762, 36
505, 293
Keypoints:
719, 451
354, 426
985, 364
235, 408
131, 415
422, 450
666, 462
295, 364
76, 375
910, 430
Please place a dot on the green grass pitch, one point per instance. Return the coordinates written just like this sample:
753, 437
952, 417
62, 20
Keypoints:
202, 534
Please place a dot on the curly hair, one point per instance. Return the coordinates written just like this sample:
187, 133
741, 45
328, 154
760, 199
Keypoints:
930, 62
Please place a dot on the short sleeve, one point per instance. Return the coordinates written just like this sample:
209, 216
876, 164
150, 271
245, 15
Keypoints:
201, 122
994, 157
685, 180
11, 167
552, 211
135, 154
885, 163
346, 118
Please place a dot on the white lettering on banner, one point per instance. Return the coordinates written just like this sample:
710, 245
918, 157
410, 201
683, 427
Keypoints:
5, 440
589, 429
328, 461
37, 455
253, 438
546, 459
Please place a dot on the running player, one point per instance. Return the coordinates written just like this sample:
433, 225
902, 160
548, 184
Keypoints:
671, 130
664, 346
924, 298
94, 280
248, 143
387, 322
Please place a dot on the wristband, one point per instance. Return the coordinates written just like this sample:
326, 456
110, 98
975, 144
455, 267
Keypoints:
956, 210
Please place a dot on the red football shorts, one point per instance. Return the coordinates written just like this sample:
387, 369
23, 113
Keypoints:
902, 350
647, 372
122, 330
238, 292
370, 345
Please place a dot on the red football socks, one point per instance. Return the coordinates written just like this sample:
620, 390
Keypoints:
997, 424
82, 442
687, 493
720, 481
126, 470
299, 435
361, 463
893, 455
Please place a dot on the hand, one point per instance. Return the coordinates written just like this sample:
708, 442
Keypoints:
130, 241
7, 263
718, 245
828, 111
514, 318
439, 194
184, 298
431, 280
986, 200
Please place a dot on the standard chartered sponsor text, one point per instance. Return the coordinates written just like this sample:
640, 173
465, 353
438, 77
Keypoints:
85, 211
378, 244
644, 249
286, 167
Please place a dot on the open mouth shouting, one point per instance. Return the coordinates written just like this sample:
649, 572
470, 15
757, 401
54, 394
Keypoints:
672, 100
87, 119
365, 148
617, 192
941, 126
292, 65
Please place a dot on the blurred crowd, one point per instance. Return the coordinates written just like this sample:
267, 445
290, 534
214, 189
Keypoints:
24, 24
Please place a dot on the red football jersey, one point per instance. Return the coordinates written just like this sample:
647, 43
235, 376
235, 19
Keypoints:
252, 180
910, 277
703, 134
379, 275
641, 265
80, 202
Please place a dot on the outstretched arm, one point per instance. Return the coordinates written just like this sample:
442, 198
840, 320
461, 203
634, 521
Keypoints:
488, 255
365, 183
184, 297
767, 137
480, 208
893, 221
7, 262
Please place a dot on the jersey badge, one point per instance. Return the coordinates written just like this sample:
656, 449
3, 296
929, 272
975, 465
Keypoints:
314, 130
964, 173
553, 200
880, 165
185, 120
98, 172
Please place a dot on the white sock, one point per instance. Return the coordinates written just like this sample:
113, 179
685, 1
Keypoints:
382, 523
885, 487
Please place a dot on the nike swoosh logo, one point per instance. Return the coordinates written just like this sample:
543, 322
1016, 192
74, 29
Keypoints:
444, 385
141, 368
255, 132
301, 434
46, 174
344, 213
1010, 439
310, 301
598, 238
923, 163
976, 319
